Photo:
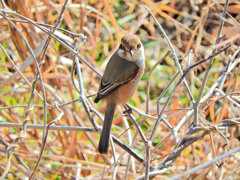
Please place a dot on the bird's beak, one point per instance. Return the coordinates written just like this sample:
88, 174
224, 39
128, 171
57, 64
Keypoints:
131, 53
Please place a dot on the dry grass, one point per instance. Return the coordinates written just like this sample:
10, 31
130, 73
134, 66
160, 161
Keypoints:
185, 113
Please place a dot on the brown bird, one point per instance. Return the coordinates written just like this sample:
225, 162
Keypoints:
119, 81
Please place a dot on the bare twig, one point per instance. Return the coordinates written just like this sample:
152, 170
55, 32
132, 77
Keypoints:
45, 131
206, 164
196, 104
23, 131
39, 126
148, 81
173, 51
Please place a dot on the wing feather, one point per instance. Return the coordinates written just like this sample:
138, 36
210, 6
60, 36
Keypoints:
123, 72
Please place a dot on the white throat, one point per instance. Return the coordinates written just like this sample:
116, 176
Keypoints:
138, 56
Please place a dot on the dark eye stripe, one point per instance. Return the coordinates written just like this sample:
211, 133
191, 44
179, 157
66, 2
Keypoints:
122, 47
139, 45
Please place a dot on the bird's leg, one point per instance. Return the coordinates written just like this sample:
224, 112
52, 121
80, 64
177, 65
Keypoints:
128, 110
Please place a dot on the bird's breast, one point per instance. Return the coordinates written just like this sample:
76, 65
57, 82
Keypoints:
124, 93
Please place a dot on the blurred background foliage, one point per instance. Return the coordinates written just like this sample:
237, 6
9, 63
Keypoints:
189, 25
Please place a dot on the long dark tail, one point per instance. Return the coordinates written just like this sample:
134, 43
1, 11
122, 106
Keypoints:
104, 139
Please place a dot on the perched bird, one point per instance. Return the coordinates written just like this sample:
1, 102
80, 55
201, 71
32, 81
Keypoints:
119, 81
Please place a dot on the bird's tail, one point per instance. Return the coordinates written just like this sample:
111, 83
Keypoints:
104, 139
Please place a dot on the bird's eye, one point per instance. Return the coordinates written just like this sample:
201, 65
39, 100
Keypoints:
139, 45
122, 47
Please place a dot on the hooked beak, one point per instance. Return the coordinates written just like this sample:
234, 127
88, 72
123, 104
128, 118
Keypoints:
131, 53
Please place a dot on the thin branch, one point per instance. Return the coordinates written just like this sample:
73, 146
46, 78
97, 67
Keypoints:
206, 164
39, 126
196, 104
173, 51
148, 81
178, 83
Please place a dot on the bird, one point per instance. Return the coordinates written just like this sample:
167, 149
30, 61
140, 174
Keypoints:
119, 81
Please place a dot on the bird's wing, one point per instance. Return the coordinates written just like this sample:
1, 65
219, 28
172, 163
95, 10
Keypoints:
107, 87
123, 72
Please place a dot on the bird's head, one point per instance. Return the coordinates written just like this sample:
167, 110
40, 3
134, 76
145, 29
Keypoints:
131, 48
